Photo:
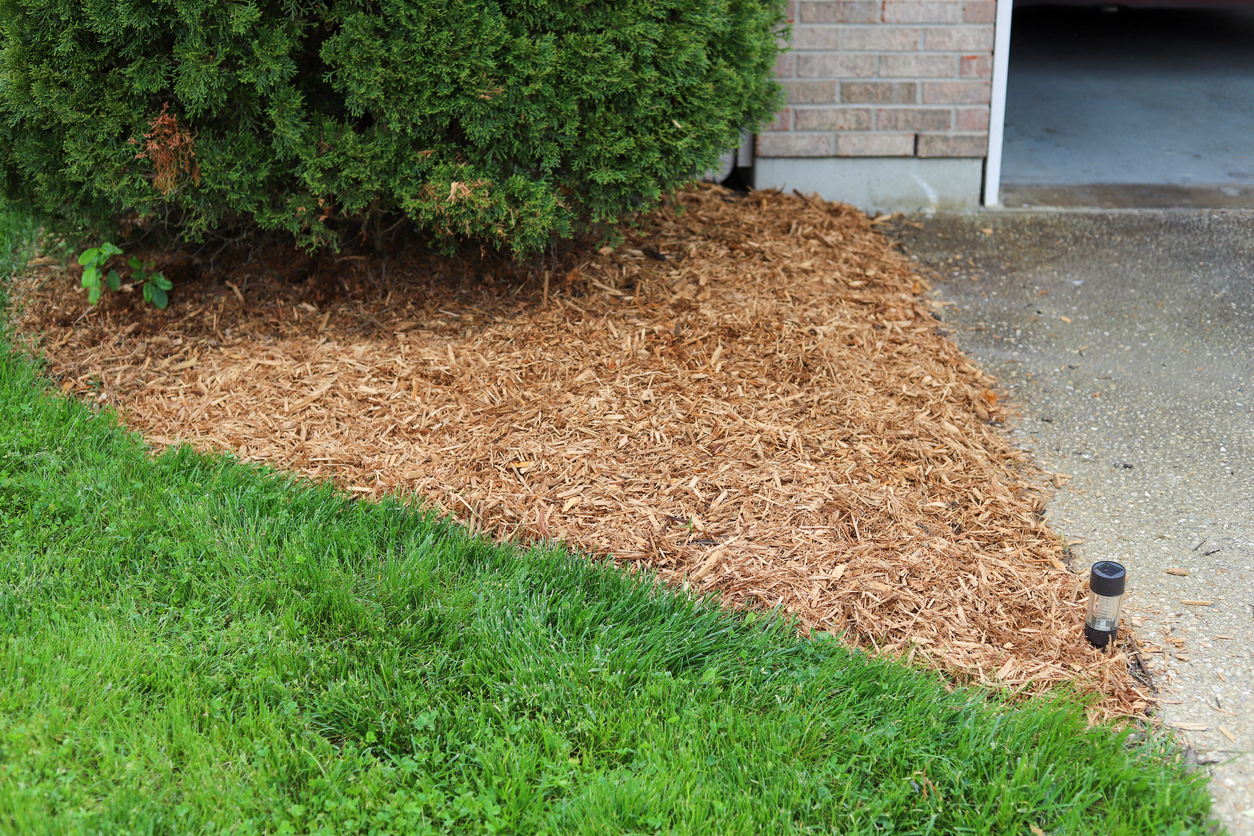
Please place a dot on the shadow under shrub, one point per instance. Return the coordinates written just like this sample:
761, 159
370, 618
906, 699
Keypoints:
513, 121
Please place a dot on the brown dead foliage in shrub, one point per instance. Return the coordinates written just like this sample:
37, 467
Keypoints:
171, 149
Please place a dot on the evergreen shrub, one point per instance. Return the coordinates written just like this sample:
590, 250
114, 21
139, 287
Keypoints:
514, 121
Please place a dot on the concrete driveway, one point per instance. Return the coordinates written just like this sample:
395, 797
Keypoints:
1126, 342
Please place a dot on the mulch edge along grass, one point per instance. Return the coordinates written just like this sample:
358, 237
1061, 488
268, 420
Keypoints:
195, 645
766, 408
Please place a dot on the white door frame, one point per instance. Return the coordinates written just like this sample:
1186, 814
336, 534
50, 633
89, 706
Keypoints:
997, 109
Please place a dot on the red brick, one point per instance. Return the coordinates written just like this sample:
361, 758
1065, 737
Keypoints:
975, 66
783, 121
971, 118
790, 11
957, 92
879, 92
816, 37
953, 145
786, 65
912, 119
922, 11
980, 11
794, 145
875, 145
809, 92
841, 11
912, 65
836, 65
958, 38
879, 38
834, 119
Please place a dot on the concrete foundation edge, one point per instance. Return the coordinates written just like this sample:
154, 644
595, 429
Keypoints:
878, 184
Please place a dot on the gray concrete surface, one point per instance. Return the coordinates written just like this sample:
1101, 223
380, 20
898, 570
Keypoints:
1139, 96
1126, 342
878, 184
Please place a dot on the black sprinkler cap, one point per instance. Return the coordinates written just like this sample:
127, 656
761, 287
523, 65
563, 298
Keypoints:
1107, 579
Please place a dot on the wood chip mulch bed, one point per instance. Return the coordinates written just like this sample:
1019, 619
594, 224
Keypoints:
751, 396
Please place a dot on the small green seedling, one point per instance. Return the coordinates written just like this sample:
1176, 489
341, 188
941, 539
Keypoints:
93, 261
156, 286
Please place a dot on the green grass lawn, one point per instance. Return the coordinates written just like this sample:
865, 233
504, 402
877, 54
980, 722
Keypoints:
189, 645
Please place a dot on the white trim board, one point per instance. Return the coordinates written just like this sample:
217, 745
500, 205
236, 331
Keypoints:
997, 108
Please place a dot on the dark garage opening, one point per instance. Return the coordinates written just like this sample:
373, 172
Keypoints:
1118, 106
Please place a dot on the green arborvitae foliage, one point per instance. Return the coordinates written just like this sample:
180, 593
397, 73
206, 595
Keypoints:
513, 121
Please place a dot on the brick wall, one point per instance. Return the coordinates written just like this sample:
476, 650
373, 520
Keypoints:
885, 78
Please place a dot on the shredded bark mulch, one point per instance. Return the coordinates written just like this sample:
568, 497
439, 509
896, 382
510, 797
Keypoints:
751, 395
